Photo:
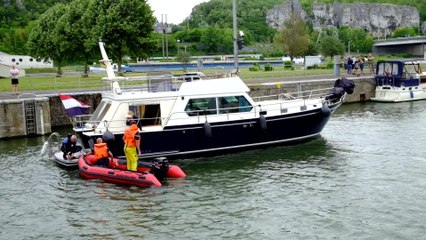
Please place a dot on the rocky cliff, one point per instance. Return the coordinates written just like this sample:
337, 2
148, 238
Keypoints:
377, 19
19, 3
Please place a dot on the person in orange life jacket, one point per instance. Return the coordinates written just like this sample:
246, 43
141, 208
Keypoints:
69, 147
102, 153
132, 140
130, 117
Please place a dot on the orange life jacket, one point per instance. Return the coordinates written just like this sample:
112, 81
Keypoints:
101, 150
129, 135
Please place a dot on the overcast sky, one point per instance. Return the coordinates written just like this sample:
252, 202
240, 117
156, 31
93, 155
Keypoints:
176, 10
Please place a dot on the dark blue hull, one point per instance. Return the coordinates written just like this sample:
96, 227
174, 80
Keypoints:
211, 138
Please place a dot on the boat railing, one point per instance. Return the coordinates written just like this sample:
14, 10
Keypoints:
79, 121
156, 83
306, 95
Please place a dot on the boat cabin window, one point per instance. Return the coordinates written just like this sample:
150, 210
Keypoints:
234, 104
388, 69
146, 115
201, 106
221, 105
100, 111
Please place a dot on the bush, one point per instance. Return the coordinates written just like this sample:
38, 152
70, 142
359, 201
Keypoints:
288, 65
312, 67
329, 66
255, 67
268, 67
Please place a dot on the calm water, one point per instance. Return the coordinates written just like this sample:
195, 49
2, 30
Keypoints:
364, 178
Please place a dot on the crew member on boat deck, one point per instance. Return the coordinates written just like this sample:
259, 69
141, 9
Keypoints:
101, 153
69, 147
131, 140
130, 117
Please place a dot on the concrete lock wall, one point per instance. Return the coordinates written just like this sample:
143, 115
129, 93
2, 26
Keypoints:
12, 119
16, 119
42, 112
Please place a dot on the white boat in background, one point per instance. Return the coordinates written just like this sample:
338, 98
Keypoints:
193, 115
399, 81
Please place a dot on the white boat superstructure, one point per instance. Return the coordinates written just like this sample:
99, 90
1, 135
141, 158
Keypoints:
195, 114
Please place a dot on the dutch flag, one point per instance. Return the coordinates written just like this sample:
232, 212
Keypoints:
73, 107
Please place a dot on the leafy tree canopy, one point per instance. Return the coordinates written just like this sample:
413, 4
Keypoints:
294, 37
331, 45
251, 17
405, 32
73, 30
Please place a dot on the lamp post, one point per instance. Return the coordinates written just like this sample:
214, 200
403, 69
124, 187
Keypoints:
163, 32
164, 39
234, 17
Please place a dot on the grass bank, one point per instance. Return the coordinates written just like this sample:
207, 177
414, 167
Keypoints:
42, 81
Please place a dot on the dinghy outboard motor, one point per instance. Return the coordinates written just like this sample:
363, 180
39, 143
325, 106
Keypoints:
160, 167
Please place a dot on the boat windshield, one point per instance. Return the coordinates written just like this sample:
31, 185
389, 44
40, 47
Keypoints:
100, 112
387, 68
413, 68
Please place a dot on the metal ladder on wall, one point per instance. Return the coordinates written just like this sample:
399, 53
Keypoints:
30, 118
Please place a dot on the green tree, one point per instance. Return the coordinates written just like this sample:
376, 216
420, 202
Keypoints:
217, 40
251, 17
312, 49
183, 57
14, 40
357, 39
126, 26
44, 40
331, 45
73, 33
405, 32
293, 38
268, 49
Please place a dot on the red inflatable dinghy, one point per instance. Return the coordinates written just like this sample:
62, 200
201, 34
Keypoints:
160, 168
140, 179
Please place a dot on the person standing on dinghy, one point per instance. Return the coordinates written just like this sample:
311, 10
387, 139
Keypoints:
132, 140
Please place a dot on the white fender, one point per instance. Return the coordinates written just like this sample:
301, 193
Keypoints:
44, 148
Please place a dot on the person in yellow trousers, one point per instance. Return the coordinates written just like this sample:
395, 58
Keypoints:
132, 148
